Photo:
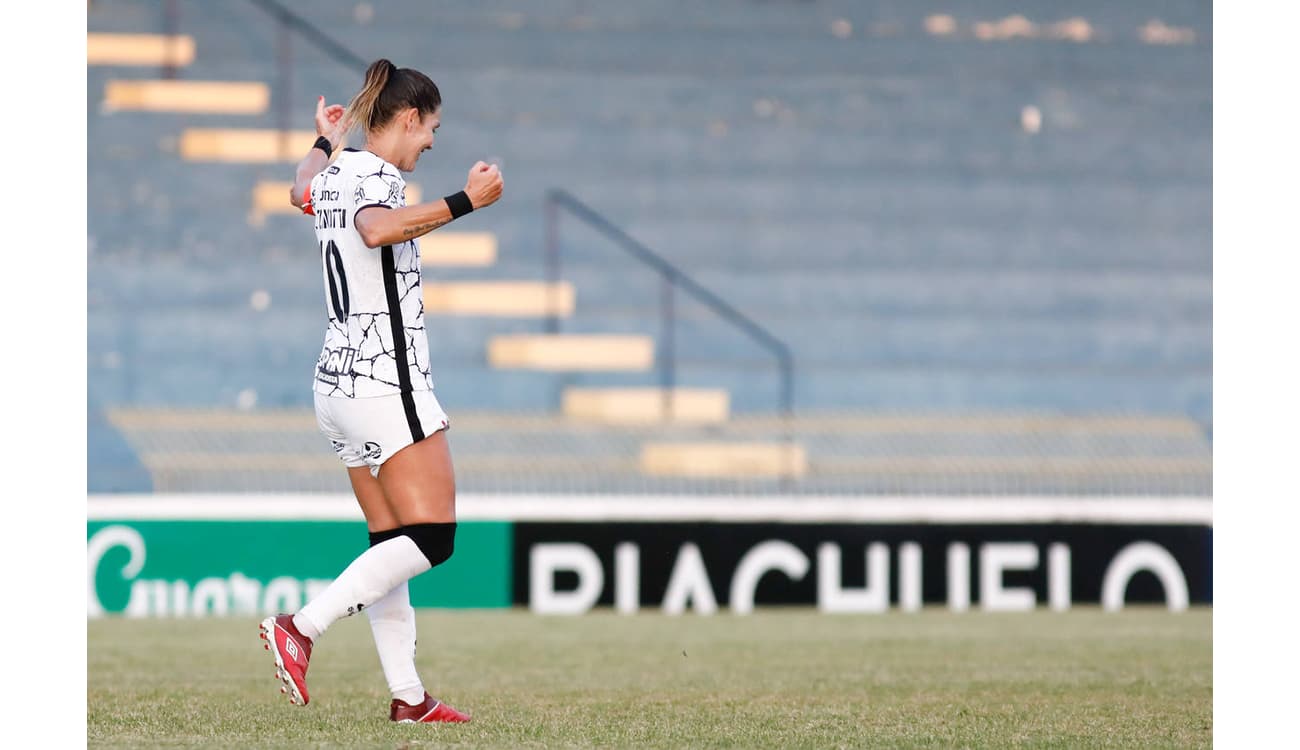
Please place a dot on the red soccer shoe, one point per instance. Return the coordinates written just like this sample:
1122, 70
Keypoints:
292, 650
431, 710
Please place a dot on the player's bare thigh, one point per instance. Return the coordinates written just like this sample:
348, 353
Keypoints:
371, 498
419, 482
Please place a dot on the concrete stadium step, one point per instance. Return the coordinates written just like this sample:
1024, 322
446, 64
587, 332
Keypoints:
901, 292
561, 352
139, 49
892, 307
860, 435
509, 337
139, 363
646, 405
195, 97
511, 299
941, 341
956, 341
218, 450
1079, 297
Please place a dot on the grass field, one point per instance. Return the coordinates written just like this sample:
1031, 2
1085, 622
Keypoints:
784, 678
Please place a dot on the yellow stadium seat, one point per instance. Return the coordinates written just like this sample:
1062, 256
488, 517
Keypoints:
205, 97
244, 145
724, 460
515, 299
571, 352
446, 248
139, 49
647, 405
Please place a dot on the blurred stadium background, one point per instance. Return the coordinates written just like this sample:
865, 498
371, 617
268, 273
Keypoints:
975, 236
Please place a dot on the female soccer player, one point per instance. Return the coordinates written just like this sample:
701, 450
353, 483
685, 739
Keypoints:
373, 391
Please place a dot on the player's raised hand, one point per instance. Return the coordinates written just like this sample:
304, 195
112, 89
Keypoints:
484, 185
327, 118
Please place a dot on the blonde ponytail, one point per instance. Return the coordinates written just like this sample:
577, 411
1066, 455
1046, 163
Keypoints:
362, 109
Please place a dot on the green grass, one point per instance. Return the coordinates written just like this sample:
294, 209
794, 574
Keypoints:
783, 678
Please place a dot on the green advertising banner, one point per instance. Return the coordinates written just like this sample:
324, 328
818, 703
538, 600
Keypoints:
198, 568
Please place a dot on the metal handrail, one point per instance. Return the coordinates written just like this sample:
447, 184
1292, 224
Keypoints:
673, 277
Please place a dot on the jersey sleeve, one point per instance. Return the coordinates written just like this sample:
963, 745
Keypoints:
383, 188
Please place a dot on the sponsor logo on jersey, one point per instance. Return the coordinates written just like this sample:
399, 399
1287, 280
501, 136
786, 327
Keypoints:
333, 363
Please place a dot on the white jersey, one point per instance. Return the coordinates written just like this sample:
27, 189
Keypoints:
375, 343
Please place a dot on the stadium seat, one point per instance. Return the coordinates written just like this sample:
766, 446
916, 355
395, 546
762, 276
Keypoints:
572, 352
450, 248
724, 459
248, 146
200, 97
514, 299
646, 405
139, 49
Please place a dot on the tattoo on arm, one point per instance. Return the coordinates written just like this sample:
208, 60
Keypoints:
422, 228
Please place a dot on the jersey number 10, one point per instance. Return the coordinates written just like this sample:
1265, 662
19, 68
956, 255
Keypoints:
338, 280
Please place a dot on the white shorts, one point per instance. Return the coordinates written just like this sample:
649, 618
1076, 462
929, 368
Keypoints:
369, 431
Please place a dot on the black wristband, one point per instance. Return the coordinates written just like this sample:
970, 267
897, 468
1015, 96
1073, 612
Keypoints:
323, 144
459, 204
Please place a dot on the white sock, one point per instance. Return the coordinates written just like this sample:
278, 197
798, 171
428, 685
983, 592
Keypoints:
372, 574
392, 620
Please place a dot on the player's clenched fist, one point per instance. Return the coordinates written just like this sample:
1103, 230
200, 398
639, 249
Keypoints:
484, 184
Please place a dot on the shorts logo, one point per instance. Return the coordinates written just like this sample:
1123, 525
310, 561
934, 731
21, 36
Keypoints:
372, 450
338, 447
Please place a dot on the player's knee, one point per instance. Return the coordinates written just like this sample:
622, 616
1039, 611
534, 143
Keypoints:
436, 540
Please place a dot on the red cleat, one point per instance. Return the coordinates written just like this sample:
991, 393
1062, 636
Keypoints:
431, 710
292, 650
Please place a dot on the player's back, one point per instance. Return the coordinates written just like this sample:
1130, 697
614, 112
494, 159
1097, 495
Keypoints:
375, 341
